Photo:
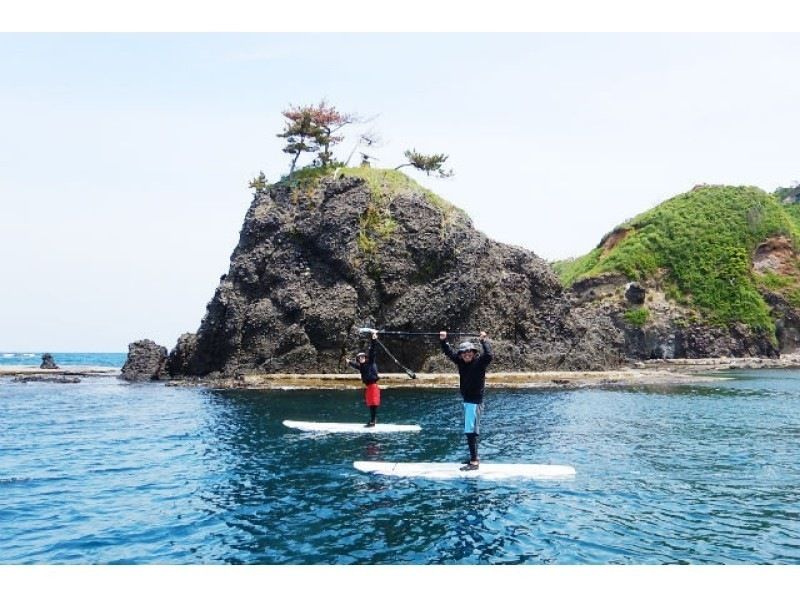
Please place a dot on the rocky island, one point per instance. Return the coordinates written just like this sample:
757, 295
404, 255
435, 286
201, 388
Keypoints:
327, 251
711, 273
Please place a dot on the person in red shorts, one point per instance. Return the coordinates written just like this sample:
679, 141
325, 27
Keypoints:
365, 364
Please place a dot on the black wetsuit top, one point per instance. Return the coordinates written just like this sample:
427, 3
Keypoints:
368, 369
473, 374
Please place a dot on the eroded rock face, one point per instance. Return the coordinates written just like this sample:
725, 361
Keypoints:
787, 322
776, 255
670, 340
313, 265
668, 330
146, 361
591, 289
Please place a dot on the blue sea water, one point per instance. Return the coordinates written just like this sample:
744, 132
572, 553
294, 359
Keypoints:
110, 472
18, 358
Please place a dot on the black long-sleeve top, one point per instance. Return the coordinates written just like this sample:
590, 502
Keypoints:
473, 374
368, 369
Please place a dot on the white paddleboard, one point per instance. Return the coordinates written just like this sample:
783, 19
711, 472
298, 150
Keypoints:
349, 428
441, 471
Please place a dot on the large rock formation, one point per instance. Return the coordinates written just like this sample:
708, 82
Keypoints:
146, 361
319, 257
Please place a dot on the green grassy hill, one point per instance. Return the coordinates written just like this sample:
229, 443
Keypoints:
700, 246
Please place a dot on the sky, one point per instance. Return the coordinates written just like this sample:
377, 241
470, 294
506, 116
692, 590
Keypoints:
124, 158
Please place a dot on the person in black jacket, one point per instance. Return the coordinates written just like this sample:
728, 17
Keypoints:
472, 371
365, 364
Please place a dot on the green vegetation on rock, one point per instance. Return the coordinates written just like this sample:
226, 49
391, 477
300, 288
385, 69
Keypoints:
305, 182
700, 244
637, 316
386, 183
793, 210
377, 223
774, 281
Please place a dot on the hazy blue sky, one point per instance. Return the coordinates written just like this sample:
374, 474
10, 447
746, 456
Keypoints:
124, 159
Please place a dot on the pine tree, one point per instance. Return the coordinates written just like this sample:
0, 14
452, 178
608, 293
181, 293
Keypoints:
430, 164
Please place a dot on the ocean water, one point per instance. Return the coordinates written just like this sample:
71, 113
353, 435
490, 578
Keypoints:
110, 472
18, 358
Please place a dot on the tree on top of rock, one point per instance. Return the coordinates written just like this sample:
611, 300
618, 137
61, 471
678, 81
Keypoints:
313, 129
430, 164
328, 121
299, 132
259, 183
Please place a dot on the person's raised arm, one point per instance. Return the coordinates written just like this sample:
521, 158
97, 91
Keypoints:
486, 354
371, 354
446, 348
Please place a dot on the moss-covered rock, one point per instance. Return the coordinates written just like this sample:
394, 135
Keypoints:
702, 248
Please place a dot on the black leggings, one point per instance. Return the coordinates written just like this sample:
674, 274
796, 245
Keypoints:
373, 414
472, 442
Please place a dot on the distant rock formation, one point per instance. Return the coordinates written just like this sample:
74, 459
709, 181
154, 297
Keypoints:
48, 363
319, 258
146, 361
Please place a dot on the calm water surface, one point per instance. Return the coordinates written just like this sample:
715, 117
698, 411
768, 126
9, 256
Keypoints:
109, 472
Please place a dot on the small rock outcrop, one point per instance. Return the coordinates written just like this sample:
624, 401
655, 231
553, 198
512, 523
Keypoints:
48, 363
146, 361
590, 289
635, 293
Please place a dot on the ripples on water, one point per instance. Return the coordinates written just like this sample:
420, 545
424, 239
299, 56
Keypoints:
107, 472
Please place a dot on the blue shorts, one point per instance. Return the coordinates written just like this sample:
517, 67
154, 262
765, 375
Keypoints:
472, 418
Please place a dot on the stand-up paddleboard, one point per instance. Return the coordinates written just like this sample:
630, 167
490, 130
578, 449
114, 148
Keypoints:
332, 427
442, 471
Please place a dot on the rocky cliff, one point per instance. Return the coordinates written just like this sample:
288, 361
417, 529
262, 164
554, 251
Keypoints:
718, 272
324, 253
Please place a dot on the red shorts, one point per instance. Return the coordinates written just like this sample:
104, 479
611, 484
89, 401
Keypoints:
372, 395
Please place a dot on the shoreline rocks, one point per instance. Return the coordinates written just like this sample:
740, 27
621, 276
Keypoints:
58, 378
146, 361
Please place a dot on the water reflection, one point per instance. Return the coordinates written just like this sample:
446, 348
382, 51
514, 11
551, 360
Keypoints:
104, 473
281, 491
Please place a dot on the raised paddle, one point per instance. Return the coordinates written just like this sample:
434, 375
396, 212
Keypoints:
404, 333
